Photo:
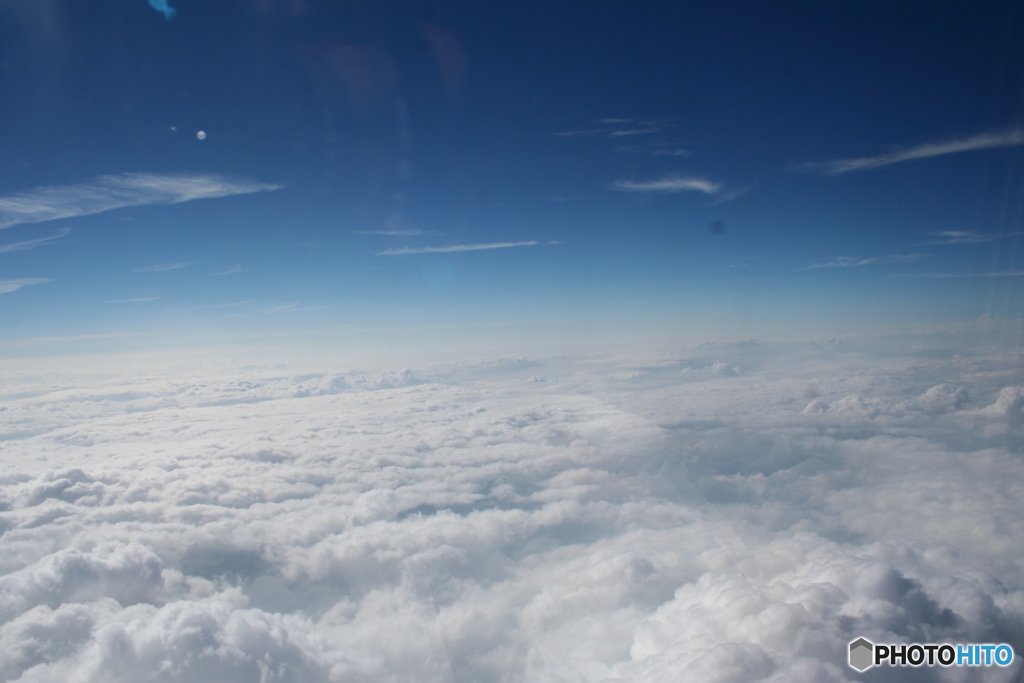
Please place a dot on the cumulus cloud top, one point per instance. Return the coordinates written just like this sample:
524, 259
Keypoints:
680, 517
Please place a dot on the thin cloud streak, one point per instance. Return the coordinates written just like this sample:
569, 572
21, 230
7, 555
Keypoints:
72, 338
161, 267
670, 184
454, 248
232, 304
965, 237
8, 286
32, 244
851, 262
410, 231
1001, 273
118, 191
230, 271
931, 149
136, 300
634, 131
292, 307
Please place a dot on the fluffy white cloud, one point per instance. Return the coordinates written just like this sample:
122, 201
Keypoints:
681, 517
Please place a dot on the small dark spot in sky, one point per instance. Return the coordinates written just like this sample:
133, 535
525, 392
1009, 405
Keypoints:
716, 227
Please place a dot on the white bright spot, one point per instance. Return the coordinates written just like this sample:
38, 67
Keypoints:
201, 135
174, 128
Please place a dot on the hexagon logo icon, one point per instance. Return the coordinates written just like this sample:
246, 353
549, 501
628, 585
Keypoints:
861, 651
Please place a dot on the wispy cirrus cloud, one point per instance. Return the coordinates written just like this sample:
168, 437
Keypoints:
634, 131
237, 268
399, 233
575, 133
980, 141
672, 183
136, 300
29, 341
998, 273
118, 191
852, 262
615, 127
8, 286
967, 237
161, 267
230, 305
32, 244
291, 307
454, 248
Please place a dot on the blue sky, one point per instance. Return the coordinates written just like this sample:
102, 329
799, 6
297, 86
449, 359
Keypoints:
728, 168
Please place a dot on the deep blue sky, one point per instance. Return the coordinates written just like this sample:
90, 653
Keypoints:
492, 123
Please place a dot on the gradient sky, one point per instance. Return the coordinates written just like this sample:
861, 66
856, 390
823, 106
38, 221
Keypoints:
659, 167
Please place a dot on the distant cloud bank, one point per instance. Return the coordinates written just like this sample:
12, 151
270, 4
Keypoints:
118, 191
931, 149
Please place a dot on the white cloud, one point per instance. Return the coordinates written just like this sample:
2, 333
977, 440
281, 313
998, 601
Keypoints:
136, 300
291, 307
231, 305
638, 517
161, 267
635, 131
8, 286
409, 231
230, 271
968, 237
573, 133
118, 191
32, 244
851, 262
932, 149
998, 273
671, 183
454, 248
29, 341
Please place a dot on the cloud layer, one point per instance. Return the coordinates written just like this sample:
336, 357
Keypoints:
118, 191
690, 516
